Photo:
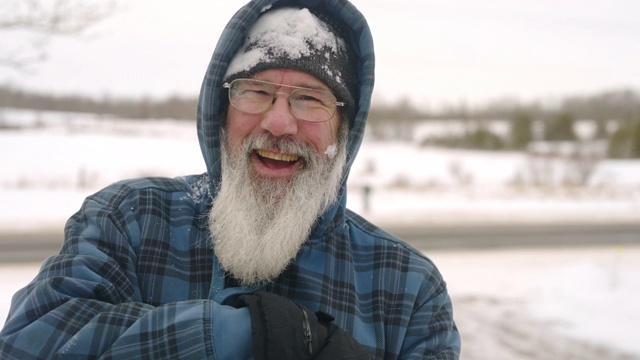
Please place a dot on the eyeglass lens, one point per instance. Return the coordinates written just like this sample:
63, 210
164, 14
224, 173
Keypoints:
254, 97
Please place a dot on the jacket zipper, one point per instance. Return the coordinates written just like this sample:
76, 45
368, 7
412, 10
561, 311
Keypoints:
306, 329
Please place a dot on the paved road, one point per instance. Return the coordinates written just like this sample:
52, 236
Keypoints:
29, 247
23, 247
513, 236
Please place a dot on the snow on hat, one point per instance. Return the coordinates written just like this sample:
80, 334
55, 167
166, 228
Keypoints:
293, 38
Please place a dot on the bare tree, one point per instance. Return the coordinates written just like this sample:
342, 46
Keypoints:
32, 24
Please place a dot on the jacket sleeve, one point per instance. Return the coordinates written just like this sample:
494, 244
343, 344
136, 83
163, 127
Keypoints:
86, 303
432, 333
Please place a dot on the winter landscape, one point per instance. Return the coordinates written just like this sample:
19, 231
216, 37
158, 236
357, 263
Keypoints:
510, 303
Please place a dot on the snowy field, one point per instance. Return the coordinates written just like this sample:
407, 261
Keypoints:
510, 304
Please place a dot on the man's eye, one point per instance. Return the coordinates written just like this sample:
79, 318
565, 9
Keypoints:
307, 98
256, 92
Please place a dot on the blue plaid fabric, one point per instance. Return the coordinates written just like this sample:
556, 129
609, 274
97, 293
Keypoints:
137, 278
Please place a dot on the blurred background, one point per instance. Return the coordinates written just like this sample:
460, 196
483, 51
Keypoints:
503, 141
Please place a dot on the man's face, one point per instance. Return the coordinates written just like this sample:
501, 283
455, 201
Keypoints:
279, 175
272, 162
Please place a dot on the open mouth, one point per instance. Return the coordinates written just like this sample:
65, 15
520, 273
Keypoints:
277, 160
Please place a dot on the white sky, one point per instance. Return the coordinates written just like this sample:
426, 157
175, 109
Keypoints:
433, 51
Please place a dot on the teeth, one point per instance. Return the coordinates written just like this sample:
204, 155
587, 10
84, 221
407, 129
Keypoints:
278, 156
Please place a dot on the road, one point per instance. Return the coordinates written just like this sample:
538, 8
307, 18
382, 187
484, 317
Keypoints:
23, 247
518, 236
29, 247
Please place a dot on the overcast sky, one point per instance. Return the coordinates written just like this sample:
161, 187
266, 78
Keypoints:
433, 51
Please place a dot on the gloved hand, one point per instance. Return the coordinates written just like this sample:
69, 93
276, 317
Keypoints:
282, 329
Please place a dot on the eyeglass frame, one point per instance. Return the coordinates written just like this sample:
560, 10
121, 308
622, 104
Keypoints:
228, 85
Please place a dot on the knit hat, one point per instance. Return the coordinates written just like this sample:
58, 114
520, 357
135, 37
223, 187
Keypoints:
294, 38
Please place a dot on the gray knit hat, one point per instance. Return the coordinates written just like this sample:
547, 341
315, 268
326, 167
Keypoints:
294, 38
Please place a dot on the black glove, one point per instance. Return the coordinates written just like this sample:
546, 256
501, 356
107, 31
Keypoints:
282, 329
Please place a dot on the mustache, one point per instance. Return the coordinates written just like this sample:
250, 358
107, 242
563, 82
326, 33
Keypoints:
285, 144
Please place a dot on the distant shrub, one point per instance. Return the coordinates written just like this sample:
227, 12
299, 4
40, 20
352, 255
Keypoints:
560, 128
476, 138
624, 143
601, 129
483, 139
521, 132
635, 139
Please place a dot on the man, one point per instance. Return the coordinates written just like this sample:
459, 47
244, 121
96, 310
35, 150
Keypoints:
258, 257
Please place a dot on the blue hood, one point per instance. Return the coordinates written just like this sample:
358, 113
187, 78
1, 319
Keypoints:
212, 101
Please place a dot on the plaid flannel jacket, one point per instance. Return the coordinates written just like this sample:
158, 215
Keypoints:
137, 278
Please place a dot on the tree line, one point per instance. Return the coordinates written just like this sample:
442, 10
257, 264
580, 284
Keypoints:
173, 107
615, 115
617, 104
619, 108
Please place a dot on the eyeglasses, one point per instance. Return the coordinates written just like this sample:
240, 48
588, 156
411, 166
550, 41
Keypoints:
255, 97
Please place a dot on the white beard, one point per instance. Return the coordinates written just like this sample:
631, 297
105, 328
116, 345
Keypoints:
259, 224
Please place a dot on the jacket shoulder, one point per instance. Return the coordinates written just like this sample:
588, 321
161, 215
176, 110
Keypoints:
365, 233
374, 248
193, 187
390, 251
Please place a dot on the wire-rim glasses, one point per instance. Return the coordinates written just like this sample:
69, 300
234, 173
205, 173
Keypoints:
256, 96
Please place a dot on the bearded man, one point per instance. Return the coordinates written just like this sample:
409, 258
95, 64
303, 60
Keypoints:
258, 257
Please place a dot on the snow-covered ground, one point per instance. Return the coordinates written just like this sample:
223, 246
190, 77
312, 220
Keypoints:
546, 304
510, 304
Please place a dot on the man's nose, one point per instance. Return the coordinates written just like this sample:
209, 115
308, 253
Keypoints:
279, 120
